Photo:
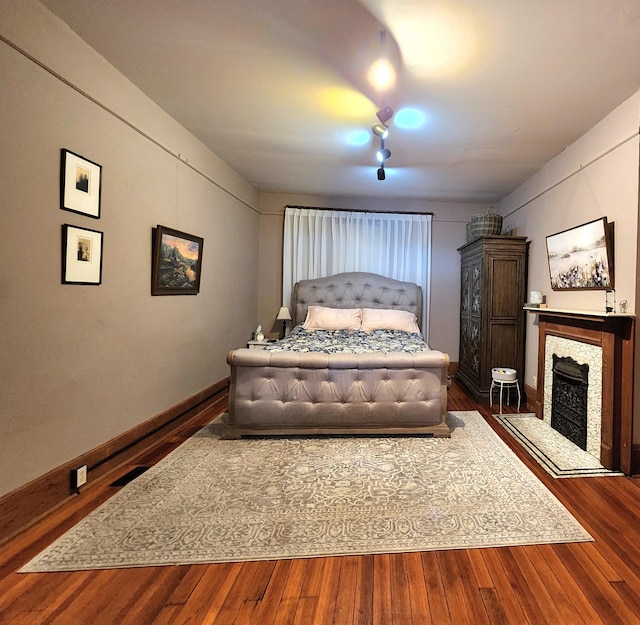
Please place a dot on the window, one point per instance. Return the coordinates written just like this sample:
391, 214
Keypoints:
323, 242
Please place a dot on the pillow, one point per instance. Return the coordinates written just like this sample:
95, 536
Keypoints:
323, 318
383, 319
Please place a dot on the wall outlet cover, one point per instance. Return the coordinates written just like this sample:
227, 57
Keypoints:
79, 476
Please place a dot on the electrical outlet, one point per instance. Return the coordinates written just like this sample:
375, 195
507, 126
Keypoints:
534, 380
79, 476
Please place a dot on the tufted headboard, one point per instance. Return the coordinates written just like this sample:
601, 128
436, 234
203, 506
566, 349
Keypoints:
356, 289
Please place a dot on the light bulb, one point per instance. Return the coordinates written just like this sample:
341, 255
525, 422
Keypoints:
383, 154
382, 75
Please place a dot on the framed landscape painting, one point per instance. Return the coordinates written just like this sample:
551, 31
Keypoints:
582, 257
176, 263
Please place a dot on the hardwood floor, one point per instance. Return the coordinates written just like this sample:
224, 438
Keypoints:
579, 583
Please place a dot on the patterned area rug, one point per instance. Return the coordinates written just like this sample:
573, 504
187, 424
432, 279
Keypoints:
256, 499
557, 454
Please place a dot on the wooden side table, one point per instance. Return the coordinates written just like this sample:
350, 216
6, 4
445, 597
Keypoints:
257, 344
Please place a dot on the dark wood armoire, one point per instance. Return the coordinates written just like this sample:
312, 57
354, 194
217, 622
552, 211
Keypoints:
492, 319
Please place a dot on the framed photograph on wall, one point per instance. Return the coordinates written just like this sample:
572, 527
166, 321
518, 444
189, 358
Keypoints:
81, 255
582, 257
176, 262
80, 185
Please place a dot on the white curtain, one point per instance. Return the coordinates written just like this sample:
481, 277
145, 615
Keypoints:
319, 243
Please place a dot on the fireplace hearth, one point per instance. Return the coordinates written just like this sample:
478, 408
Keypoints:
569, 397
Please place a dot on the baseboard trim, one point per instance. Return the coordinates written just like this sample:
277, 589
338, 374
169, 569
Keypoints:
530, 394
24, 506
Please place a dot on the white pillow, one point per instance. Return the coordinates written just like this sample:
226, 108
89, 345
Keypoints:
383, 319
323, 318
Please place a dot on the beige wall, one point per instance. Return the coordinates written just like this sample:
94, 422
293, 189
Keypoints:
82, 364
594, 177
448, 233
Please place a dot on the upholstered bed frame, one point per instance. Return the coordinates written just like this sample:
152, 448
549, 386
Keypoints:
281, 393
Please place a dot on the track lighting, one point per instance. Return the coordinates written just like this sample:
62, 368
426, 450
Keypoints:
383, 77
385, 114
380, 130
383, 154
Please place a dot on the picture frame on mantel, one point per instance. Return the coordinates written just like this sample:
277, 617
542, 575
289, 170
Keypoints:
80, 184
176, 263
581, 258
81, 255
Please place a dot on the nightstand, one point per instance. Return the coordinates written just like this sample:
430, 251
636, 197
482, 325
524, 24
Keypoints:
257, 344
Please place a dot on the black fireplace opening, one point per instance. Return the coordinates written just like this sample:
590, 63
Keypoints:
569, 394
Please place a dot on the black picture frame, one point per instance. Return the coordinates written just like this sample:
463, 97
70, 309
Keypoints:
581, 258
176, 263
80, 184
82, 251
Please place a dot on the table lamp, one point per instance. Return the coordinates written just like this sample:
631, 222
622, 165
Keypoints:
284, 315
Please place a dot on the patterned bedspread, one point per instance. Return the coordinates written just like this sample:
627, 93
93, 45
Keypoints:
349, 341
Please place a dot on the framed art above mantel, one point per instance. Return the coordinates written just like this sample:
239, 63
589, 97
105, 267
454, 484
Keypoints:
582, 257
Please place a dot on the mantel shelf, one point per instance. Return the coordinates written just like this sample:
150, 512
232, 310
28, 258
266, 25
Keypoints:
568, 312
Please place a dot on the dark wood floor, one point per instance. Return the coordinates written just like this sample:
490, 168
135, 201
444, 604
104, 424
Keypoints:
580, 583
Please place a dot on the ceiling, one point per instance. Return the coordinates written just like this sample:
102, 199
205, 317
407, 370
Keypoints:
278, 89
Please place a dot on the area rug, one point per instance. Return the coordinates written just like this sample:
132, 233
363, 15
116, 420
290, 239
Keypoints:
214, 500
557, 454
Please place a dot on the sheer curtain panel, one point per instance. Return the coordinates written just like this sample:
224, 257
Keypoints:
322, 242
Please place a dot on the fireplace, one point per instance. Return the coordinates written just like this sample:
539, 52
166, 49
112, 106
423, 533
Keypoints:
571, 352
604, 342
569, 394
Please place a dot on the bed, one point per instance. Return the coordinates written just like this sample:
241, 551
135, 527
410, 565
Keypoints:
341, 390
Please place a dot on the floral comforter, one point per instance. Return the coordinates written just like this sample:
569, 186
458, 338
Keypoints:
349, 342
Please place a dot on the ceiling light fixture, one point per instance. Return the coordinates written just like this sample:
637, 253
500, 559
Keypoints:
383, 154
385, 114
380, 130
382, 75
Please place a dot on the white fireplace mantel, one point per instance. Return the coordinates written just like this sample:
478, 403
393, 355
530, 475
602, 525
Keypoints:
578, 313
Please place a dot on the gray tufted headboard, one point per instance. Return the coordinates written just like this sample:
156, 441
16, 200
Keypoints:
356, 289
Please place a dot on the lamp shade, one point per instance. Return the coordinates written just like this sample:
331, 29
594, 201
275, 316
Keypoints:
284, 314
380, 130
385, 114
